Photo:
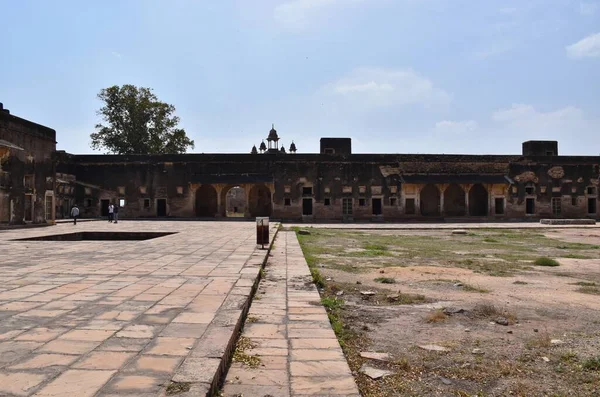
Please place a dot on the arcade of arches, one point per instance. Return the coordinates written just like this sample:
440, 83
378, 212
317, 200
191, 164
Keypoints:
453, 200
243, 200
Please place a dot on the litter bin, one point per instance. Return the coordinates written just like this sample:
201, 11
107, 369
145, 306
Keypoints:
262, 231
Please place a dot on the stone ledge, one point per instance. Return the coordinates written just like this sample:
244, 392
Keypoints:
567, 221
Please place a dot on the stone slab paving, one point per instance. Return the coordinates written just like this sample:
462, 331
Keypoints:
291, 334
116, 318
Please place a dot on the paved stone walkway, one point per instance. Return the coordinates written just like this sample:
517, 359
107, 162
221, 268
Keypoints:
291, 334
116, 318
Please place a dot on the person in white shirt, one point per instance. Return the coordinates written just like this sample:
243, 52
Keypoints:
111, 211
74, 214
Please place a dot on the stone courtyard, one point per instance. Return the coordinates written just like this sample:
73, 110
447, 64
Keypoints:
101, 318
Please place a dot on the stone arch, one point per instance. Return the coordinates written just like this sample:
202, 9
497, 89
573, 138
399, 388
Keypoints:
234, 201
454, 201
430, 200
478, 200
206, 201
259, 201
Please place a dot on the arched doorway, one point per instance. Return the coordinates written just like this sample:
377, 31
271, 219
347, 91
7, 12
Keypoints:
478, 200
206, 201
260, 201
430, 200
454, 201
235, 202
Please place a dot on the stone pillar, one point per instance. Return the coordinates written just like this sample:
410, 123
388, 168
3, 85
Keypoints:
219, 188
441, 203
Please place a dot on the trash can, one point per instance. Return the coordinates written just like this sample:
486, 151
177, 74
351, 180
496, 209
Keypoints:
262, 231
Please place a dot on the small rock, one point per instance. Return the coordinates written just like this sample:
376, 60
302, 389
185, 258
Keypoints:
304, 232
509, 332
477, 351
328, 279
453, 310
465, 365
376, 356
546, 359
458, 285
467, 330
459, 231
358, 282
393, 297
367, 293
434, 348
339, 293
556, 341
445, 381
382, 271
535, 330
374, 373
502, 321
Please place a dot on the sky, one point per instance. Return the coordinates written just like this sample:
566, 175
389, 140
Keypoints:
396, 76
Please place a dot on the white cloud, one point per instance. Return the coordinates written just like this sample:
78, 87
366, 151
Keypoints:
586, 47
526, 119
456, 127
494, 50
297, 14
376, 87
588, 9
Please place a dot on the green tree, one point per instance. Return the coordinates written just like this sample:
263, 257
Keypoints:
136, 122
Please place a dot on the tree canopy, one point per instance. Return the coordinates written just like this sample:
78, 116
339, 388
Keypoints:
136, 122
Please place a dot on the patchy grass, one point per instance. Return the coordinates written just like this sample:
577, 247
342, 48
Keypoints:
471, 288
541, 340
178, 387
589, 290
490, 240
436, 316
490, 311
545, 261
518, 282
385, 280
585, 284
592, 364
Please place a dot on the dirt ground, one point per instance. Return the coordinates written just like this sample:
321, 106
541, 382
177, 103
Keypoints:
509, 327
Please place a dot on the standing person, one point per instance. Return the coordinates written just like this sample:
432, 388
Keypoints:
75, 213
116, 213
111, 210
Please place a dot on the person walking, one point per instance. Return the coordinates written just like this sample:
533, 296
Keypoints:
111, 210
116, 213
75, 214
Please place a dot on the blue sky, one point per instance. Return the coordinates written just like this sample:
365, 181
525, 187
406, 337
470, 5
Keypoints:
397, 76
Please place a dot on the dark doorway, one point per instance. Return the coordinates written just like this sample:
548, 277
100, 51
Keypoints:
592, 209
161, 207
454, 201
307, 206
104, 207
376, 206
28, 208
206, 201
499, 205
530, 206
430, 201
478, 200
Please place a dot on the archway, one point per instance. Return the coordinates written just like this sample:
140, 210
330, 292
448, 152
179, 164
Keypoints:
478, 200
454, 201
430, 200
235, 201
206, 201
259, 203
